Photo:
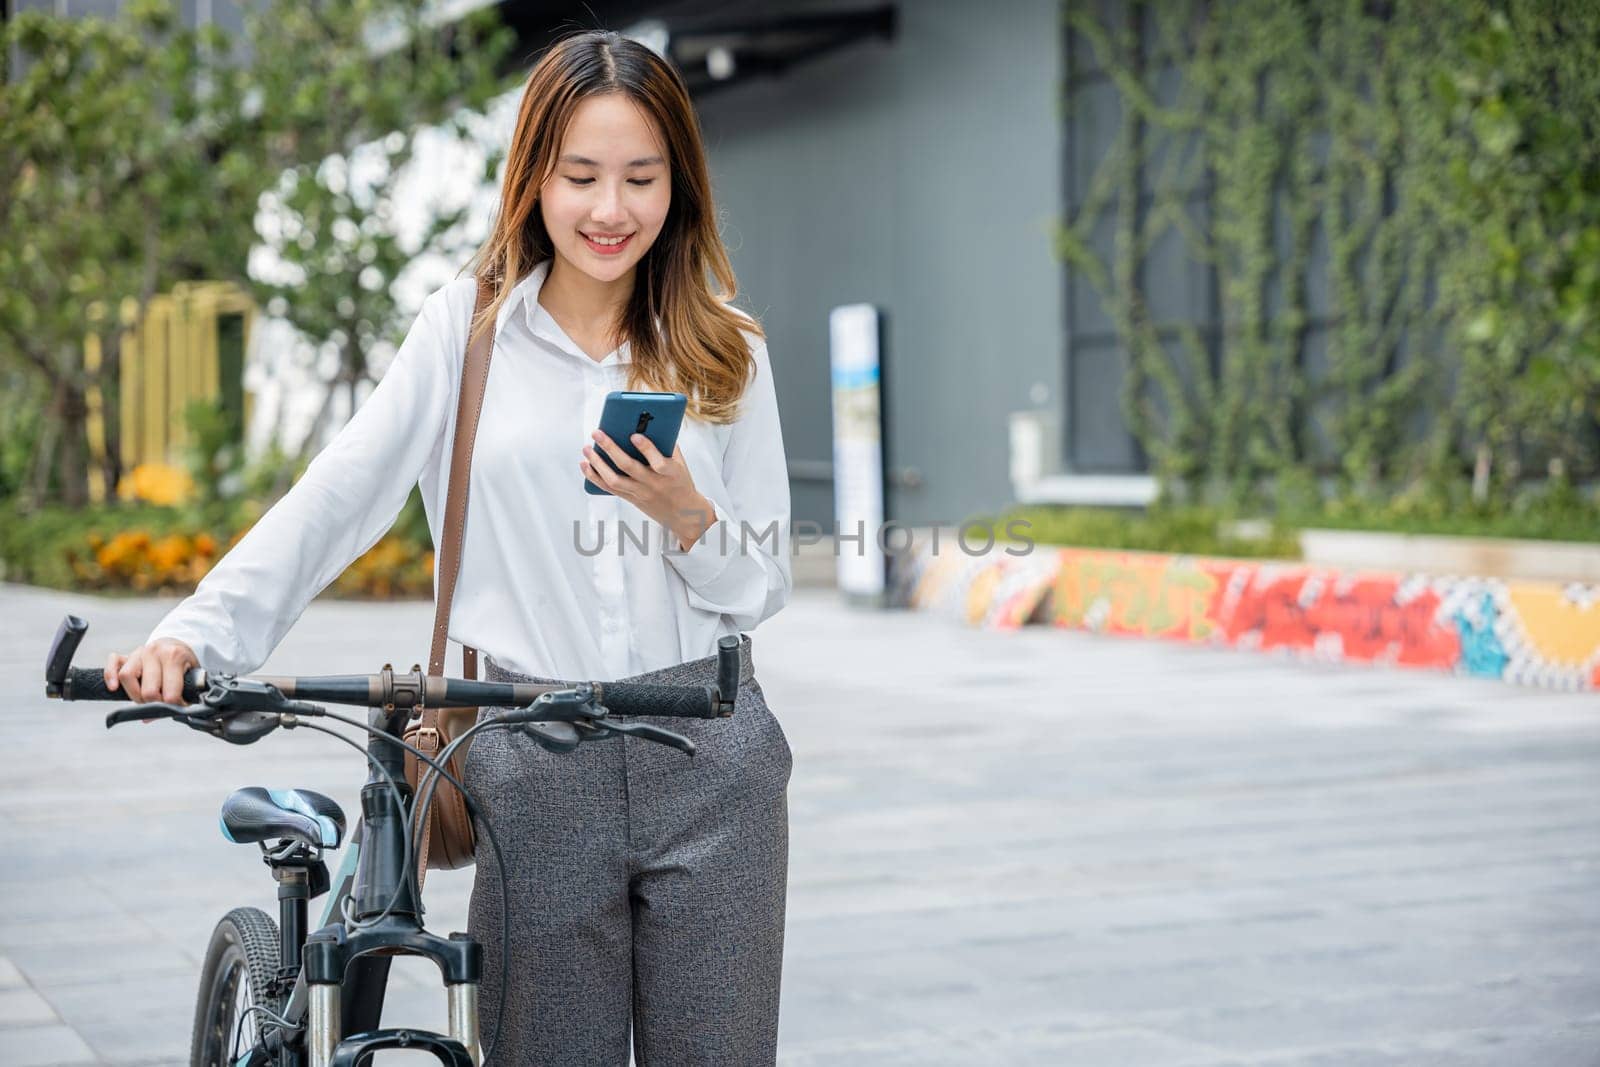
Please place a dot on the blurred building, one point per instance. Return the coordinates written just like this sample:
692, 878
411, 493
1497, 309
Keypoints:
907, 155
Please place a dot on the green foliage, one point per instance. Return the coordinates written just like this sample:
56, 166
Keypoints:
215, 454
135, 153
330, 221
1552, 512
1441, 161
411, 526
1189, 530
1522, 187
266, 479
1549, 511
21, 422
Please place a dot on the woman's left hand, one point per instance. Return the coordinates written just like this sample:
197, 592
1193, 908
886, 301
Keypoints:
661, 487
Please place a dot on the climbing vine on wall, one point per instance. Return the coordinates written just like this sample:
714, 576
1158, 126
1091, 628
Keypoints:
1398, 209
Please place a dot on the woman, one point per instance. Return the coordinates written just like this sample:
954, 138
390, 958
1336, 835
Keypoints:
645, 890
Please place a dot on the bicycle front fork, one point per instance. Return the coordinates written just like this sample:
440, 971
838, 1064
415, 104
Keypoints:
457, 1049
322, 1023
328, 955
463, 1025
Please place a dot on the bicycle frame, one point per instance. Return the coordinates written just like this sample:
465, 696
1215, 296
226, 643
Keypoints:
343, 973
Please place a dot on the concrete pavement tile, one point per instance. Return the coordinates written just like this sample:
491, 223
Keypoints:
43, 1046
888, 1048
818, 1016
1565, 1046
139, 1041
10, 977
893, 1050
168, 997
70, 934
1378, 1016
47, 965
1103, 1048
21, 1006
54, 899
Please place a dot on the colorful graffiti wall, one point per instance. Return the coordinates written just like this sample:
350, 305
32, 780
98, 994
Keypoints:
1531, 633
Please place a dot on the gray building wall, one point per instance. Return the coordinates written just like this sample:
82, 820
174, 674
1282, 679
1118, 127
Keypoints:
922, 175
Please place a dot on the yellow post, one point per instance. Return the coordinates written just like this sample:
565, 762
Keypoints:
130, 400
178, 378
158, 367
170, 361
95, 420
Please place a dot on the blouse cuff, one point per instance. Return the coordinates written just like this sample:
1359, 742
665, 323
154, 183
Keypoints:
216, 652
706, 559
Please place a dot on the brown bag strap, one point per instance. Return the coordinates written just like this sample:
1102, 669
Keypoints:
469, 405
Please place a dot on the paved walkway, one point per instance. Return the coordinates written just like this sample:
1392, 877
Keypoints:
1010, 849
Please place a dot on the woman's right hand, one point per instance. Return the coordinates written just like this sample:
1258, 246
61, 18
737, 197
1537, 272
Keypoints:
152, 672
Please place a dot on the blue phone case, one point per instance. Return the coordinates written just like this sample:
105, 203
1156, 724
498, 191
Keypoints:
656, 415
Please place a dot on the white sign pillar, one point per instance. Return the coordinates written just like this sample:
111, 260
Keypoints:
854, 333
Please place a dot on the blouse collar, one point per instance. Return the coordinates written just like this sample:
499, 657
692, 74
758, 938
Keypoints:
540, 323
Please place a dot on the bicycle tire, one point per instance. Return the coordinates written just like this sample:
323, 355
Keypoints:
242, 958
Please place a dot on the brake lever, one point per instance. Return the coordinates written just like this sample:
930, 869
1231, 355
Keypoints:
562, 719
558, 737
646, 732
235, 727
242, 728
145, 713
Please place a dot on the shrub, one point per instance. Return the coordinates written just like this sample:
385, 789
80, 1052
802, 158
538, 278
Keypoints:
392, 568
1188, 530
132, 559
142, 548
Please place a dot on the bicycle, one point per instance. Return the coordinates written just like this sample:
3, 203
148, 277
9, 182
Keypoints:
273, 994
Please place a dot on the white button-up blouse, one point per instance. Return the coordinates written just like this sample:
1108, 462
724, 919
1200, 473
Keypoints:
554, 581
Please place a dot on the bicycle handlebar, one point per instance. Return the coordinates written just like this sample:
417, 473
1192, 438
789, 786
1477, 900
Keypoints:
413, 689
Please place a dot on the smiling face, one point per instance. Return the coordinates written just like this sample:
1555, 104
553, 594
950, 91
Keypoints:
607, 199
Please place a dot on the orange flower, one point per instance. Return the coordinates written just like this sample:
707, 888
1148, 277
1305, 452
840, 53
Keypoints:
169, 554
121, 555
157, 483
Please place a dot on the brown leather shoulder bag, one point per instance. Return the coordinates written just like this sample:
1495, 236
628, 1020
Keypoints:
449, 840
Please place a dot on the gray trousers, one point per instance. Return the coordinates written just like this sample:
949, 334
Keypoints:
645, 889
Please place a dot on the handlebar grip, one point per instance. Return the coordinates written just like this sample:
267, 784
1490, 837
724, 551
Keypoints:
664, 701
89, 683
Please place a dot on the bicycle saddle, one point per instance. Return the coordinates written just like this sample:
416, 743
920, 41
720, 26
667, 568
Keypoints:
257, 814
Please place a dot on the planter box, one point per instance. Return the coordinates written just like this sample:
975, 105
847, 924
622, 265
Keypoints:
1485, 557
1531, 632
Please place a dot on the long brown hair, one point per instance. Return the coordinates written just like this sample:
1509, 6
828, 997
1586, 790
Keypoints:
699, 349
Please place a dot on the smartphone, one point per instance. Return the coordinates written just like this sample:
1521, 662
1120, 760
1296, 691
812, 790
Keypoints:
656, 415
